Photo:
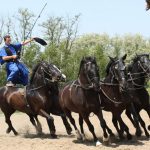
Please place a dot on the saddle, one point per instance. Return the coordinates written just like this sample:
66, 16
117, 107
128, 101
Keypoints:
22, 91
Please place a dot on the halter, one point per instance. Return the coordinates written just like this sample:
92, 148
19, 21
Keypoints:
88, 86
45, 80
114, 76
144, 71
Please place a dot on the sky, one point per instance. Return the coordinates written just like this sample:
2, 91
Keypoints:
97, 16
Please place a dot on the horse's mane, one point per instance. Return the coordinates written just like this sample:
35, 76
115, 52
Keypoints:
34, 71
109, 65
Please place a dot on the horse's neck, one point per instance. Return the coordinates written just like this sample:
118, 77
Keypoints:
137, 75
38, 80
110, 79
54, 90
82, 78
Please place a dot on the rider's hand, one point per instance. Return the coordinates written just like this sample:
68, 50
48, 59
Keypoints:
14, 56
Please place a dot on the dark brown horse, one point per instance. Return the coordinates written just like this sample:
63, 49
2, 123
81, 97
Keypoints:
81, 96
41, 95
147, 4
138, 72
114, 95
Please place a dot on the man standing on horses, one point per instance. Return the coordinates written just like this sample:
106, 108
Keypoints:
17, 73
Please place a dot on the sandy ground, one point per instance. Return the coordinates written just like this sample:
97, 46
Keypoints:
28, 140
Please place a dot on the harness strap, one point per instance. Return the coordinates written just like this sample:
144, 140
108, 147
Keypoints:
109, 97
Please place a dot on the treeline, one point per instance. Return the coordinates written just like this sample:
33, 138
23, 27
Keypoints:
65, 48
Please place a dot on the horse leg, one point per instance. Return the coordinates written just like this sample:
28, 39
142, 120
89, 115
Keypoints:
125, 127
103, 125
10, 127
115, 123
128, 113
136, 120
39, 126
67, 125
7, 119
50, 122
110, 131
38, 130
68, 113
147, 109
81, 127
144, 126
91, 129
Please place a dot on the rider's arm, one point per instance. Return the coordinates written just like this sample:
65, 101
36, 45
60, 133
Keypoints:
5, 58
27, 41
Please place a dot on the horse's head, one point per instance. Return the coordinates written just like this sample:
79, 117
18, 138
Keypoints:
143, 63
116, 68
48, 72
89, 72
147, 4
52, 72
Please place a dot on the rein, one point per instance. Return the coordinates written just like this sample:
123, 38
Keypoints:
37, 88
136, 78
109, 97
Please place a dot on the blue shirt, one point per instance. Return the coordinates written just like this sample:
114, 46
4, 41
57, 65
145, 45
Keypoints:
14, 49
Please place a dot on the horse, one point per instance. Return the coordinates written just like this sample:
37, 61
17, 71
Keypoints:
115, 84
81, 96
138, 72
41, 95
114, 96
147, 5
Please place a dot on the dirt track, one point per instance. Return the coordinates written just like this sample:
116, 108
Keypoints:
28, 140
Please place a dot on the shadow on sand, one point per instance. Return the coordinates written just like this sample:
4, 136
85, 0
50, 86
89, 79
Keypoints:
116, 142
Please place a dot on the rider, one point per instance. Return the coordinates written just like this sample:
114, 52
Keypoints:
17, 72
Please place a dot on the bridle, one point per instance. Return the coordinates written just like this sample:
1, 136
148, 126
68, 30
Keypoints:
115, 76
144, 71
90, 84
46, 80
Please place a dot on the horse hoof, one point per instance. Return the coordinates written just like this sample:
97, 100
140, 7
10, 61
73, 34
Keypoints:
83, 137
98, 143
79, 137
129, 137
121, 137
149, 127
16, 133
138, 133
54, 136
112, 138
69, 132
8, 130
106, 141
147, 135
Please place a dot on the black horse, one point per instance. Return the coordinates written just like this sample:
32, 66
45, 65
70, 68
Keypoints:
81, 96
41, 95
114, 96
138, 73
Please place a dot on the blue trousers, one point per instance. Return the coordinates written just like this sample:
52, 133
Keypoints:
17, 73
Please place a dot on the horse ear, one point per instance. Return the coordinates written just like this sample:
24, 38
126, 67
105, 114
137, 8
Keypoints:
124, 57
111, 58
